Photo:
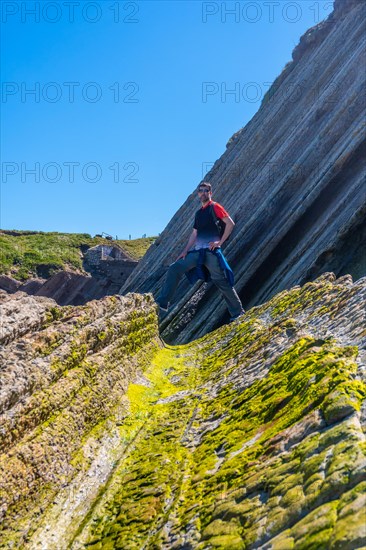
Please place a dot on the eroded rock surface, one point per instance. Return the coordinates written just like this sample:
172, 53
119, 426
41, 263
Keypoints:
250, 437
64, 372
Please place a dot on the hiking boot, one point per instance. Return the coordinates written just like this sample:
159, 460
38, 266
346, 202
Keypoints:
235, 317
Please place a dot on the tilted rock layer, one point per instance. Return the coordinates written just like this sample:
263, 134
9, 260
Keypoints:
250, 437
64, 371
293, 180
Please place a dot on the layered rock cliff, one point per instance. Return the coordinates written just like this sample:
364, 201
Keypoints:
250, 437
104, 268
293, 180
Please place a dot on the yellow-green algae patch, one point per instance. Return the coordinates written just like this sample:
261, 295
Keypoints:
147, 480
205, 469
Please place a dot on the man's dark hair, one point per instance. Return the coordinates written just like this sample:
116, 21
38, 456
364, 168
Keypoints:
206, 185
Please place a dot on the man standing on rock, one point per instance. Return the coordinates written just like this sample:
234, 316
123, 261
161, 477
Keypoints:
202, 257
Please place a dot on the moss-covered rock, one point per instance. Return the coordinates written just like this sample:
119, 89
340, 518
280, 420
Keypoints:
249, 437
62, 399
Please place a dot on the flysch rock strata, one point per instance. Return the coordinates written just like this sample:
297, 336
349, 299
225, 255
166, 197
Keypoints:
293, 180
64, 373
252, 436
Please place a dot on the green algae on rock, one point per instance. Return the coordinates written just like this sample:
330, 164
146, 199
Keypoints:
231, 456
249, 437
62, 398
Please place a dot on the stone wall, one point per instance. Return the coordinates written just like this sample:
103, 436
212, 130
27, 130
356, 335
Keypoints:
109, 262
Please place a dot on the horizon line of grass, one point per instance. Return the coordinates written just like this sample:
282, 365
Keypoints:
35, 253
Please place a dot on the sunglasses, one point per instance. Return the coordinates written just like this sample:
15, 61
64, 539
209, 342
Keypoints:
201, 190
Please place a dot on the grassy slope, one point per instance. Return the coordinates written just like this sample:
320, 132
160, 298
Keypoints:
28, 255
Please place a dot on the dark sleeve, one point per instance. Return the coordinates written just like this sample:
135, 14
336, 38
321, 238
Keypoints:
195, 221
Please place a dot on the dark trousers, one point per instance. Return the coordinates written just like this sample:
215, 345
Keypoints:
178, 268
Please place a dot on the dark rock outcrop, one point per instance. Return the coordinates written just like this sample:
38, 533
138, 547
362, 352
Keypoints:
9, 284
293, 179
109, 262
31, 286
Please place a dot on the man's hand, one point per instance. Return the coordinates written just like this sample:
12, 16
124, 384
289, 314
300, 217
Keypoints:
214, 244
191, 241
183, 255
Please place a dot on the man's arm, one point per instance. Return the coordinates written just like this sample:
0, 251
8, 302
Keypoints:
191, 241
229, 226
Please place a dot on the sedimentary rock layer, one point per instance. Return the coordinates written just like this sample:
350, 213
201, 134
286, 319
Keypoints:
250, 437
293, 180
64, 372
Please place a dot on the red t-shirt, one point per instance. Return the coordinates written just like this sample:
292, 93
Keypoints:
219, 210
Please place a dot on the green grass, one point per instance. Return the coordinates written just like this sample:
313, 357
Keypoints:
40, 254
136, 248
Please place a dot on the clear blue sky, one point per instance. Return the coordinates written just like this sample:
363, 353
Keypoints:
162, 131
